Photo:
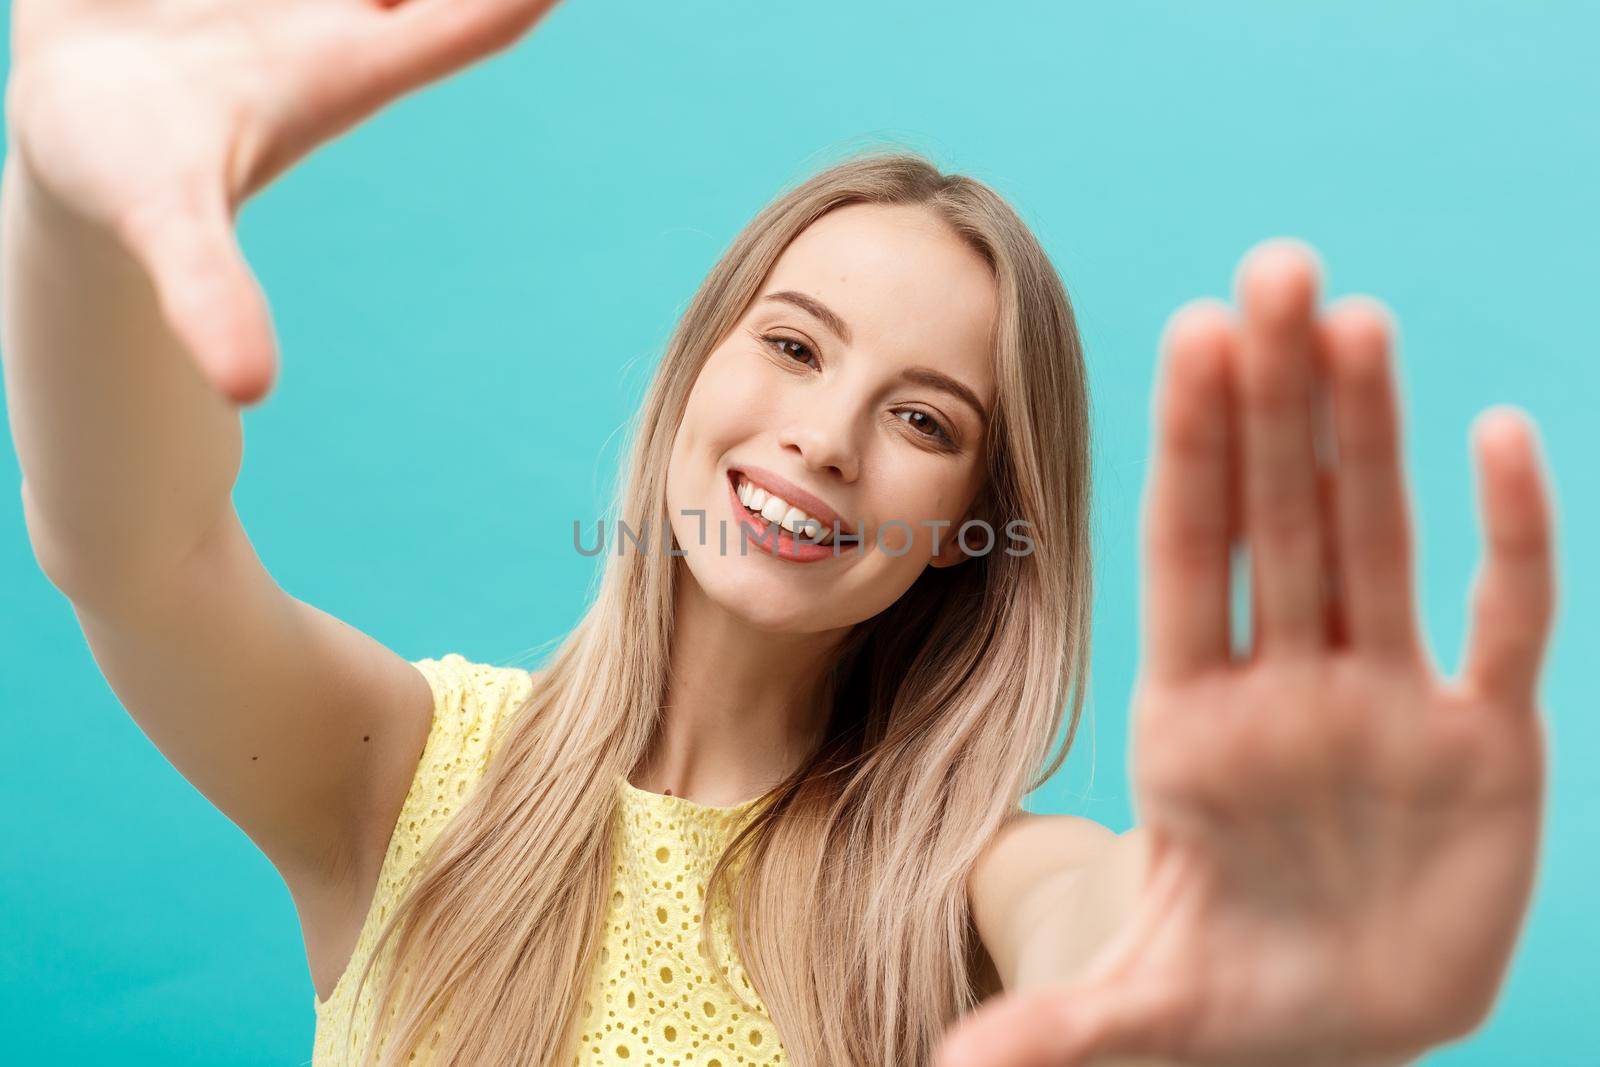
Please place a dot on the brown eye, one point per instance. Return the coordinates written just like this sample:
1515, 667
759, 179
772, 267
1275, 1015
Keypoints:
929, 426
777, 343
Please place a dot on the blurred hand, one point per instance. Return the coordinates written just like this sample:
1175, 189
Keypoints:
157, 119
1341, 844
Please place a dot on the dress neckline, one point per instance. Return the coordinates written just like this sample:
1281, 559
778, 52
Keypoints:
684, 803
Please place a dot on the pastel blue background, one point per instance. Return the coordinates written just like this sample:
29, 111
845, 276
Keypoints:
471, 290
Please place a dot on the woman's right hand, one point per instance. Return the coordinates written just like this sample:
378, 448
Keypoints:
155, 120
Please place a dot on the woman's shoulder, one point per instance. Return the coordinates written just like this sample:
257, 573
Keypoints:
466, 687
473, 702
1055, 880
1034, 863
1029, 846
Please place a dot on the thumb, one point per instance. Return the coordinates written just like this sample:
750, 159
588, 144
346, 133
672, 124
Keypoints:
1059, 1027
207, 293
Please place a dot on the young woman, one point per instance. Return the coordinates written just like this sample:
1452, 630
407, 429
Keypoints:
763, 804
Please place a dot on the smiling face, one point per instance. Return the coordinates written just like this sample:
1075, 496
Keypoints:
859, 380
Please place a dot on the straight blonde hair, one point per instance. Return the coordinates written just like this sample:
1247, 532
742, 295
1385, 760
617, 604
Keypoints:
848, 887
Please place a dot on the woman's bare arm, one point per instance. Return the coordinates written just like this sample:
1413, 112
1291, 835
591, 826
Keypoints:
1048, 892
132, 330
128, 460
127, 454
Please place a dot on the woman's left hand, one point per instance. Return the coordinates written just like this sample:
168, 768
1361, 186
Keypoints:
1341, 844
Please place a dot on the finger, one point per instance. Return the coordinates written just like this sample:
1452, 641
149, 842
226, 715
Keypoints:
1514, 595
1053, 1028
427, 39
1277, 290
207, 292
1372, 522
1186, 508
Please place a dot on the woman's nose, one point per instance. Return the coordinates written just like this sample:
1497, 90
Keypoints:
824, 436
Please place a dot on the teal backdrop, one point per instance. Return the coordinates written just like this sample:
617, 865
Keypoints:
472, 288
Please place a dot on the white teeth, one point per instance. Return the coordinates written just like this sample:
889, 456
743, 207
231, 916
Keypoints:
795, 520
777, 510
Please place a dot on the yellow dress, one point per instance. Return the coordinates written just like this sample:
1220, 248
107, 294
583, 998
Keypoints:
652, 998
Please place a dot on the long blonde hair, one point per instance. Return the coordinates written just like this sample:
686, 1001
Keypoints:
850, 906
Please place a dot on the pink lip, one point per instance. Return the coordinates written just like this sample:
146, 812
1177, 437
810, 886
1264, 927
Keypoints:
787, 547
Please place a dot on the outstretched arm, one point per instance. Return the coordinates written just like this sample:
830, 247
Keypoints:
133, 330
1337, 846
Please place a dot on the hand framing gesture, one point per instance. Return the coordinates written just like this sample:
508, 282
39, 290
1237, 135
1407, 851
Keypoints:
1340, 844
156, 120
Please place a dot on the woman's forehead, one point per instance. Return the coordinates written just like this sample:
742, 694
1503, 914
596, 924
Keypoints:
899, 277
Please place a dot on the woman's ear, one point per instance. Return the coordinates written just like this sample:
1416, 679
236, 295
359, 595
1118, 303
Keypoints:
951, 551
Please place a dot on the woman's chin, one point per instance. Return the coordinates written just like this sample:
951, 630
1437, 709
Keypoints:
763, 602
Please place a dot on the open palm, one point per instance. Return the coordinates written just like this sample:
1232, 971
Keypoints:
1340, 844
157, 120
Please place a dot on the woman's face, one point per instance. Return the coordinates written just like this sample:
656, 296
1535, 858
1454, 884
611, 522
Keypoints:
859, 381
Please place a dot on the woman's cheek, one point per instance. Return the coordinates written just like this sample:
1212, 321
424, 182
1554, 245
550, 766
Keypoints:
735, 388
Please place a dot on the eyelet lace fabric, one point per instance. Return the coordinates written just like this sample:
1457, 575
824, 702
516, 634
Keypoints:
652, 997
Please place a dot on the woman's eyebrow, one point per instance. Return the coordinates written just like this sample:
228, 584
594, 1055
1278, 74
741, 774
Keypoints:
924, 376
933, 379
816, 309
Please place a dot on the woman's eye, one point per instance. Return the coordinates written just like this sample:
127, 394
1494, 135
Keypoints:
798, 351
929, 426
778, 343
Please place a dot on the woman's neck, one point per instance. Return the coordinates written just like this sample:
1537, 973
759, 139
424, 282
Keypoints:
743, 708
